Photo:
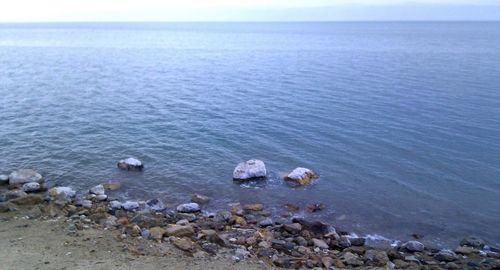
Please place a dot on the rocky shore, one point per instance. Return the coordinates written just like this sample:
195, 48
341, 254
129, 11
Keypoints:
242, 232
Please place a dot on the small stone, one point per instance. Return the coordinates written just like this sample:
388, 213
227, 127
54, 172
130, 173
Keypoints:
179, 230
301, 176
210, 248
182, 222
414, 246
31, 187
315, 207
473, 241
130, 164
327, 262
452, 266
377, 258
241, 253
109, 221
200, 199
184, 244
24, 176
101, 198
466, 250
155, 205
238, 220
351, 259
446, 255
130, 205
254, 207
344, 242
359, 241
62, 193
97, 190
13, 194
86, 204
188, 208
266, 222
115, 205
223, 216
145, 234
319, 243
157, 233
251, 169
301, 241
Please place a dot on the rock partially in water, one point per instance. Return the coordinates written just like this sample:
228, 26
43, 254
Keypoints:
4, 179
131, 164
130, 205
97, 190
446, 255
414, 246
473, 241
250, 169
24, 176
188, 208
301, 176
31, 187
62, 193
115, 205
155, 205
253, 207
102, 197
200, 199
112, 185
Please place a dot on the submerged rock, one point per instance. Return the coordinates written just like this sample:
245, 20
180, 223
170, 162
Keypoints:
112, 185
62, 193
201, 199
301, 176
155, 205
188, 208
250, 169
253, 207
130, 205
24, 176
31, 187
472, 241
131, 164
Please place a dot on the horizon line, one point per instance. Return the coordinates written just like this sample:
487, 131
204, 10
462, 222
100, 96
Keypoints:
245, 21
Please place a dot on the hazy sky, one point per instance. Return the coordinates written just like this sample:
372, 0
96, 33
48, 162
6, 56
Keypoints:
247, 10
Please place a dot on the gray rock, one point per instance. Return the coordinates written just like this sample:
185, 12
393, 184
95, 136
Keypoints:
110, 221
293, 228
155, 205
414, 246
473, 241
130, 205
188, 208
31, 187
131, 164
24, 176
266, 222
115, 205
62, 193
223, 215
98, 190
4, 179
446, 255
351, 259
251, 169
319, 243
344, 242
13, 194
241, 253
101, 197
377, 258
301, 176
86, 204
145, 234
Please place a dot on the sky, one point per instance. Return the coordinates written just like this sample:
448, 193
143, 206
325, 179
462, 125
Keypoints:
247, 10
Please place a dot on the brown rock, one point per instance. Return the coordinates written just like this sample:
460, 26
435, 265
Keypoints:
292, 207
293, 228
179, 231
327, 262
237, 220
184, 244
27, 200
254, 207
123, 221
157, 233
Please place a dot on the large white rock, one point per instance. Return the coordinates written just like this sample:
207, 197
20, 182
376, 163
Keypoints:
250, 169
130, 205
131, 164
62, 193
97, 190
4, 179
301, 176
188, 208
24, 176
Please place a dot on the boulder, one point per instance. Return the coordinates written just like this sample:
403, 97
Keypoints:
301, 176
131, 164
319, 243
250, 169
157, 233
184, 244
4, 179
188, 208
31, 187
200, 199
377, 258
102, 197
97, 190
24, 176
62, 193
266, 222
155, 205
414, 246
293, 228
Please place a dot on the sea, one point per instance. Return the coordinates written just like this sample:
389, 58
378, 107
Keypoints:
400, 119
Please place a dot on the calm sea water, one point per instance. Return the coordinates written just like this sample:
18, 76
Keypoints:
402, 120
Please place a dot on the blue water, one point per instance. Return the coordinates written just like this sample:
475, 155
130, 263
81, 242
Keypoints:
402, 120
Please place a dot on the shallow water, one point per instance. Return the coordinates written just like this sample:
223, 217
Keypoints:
402, 120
